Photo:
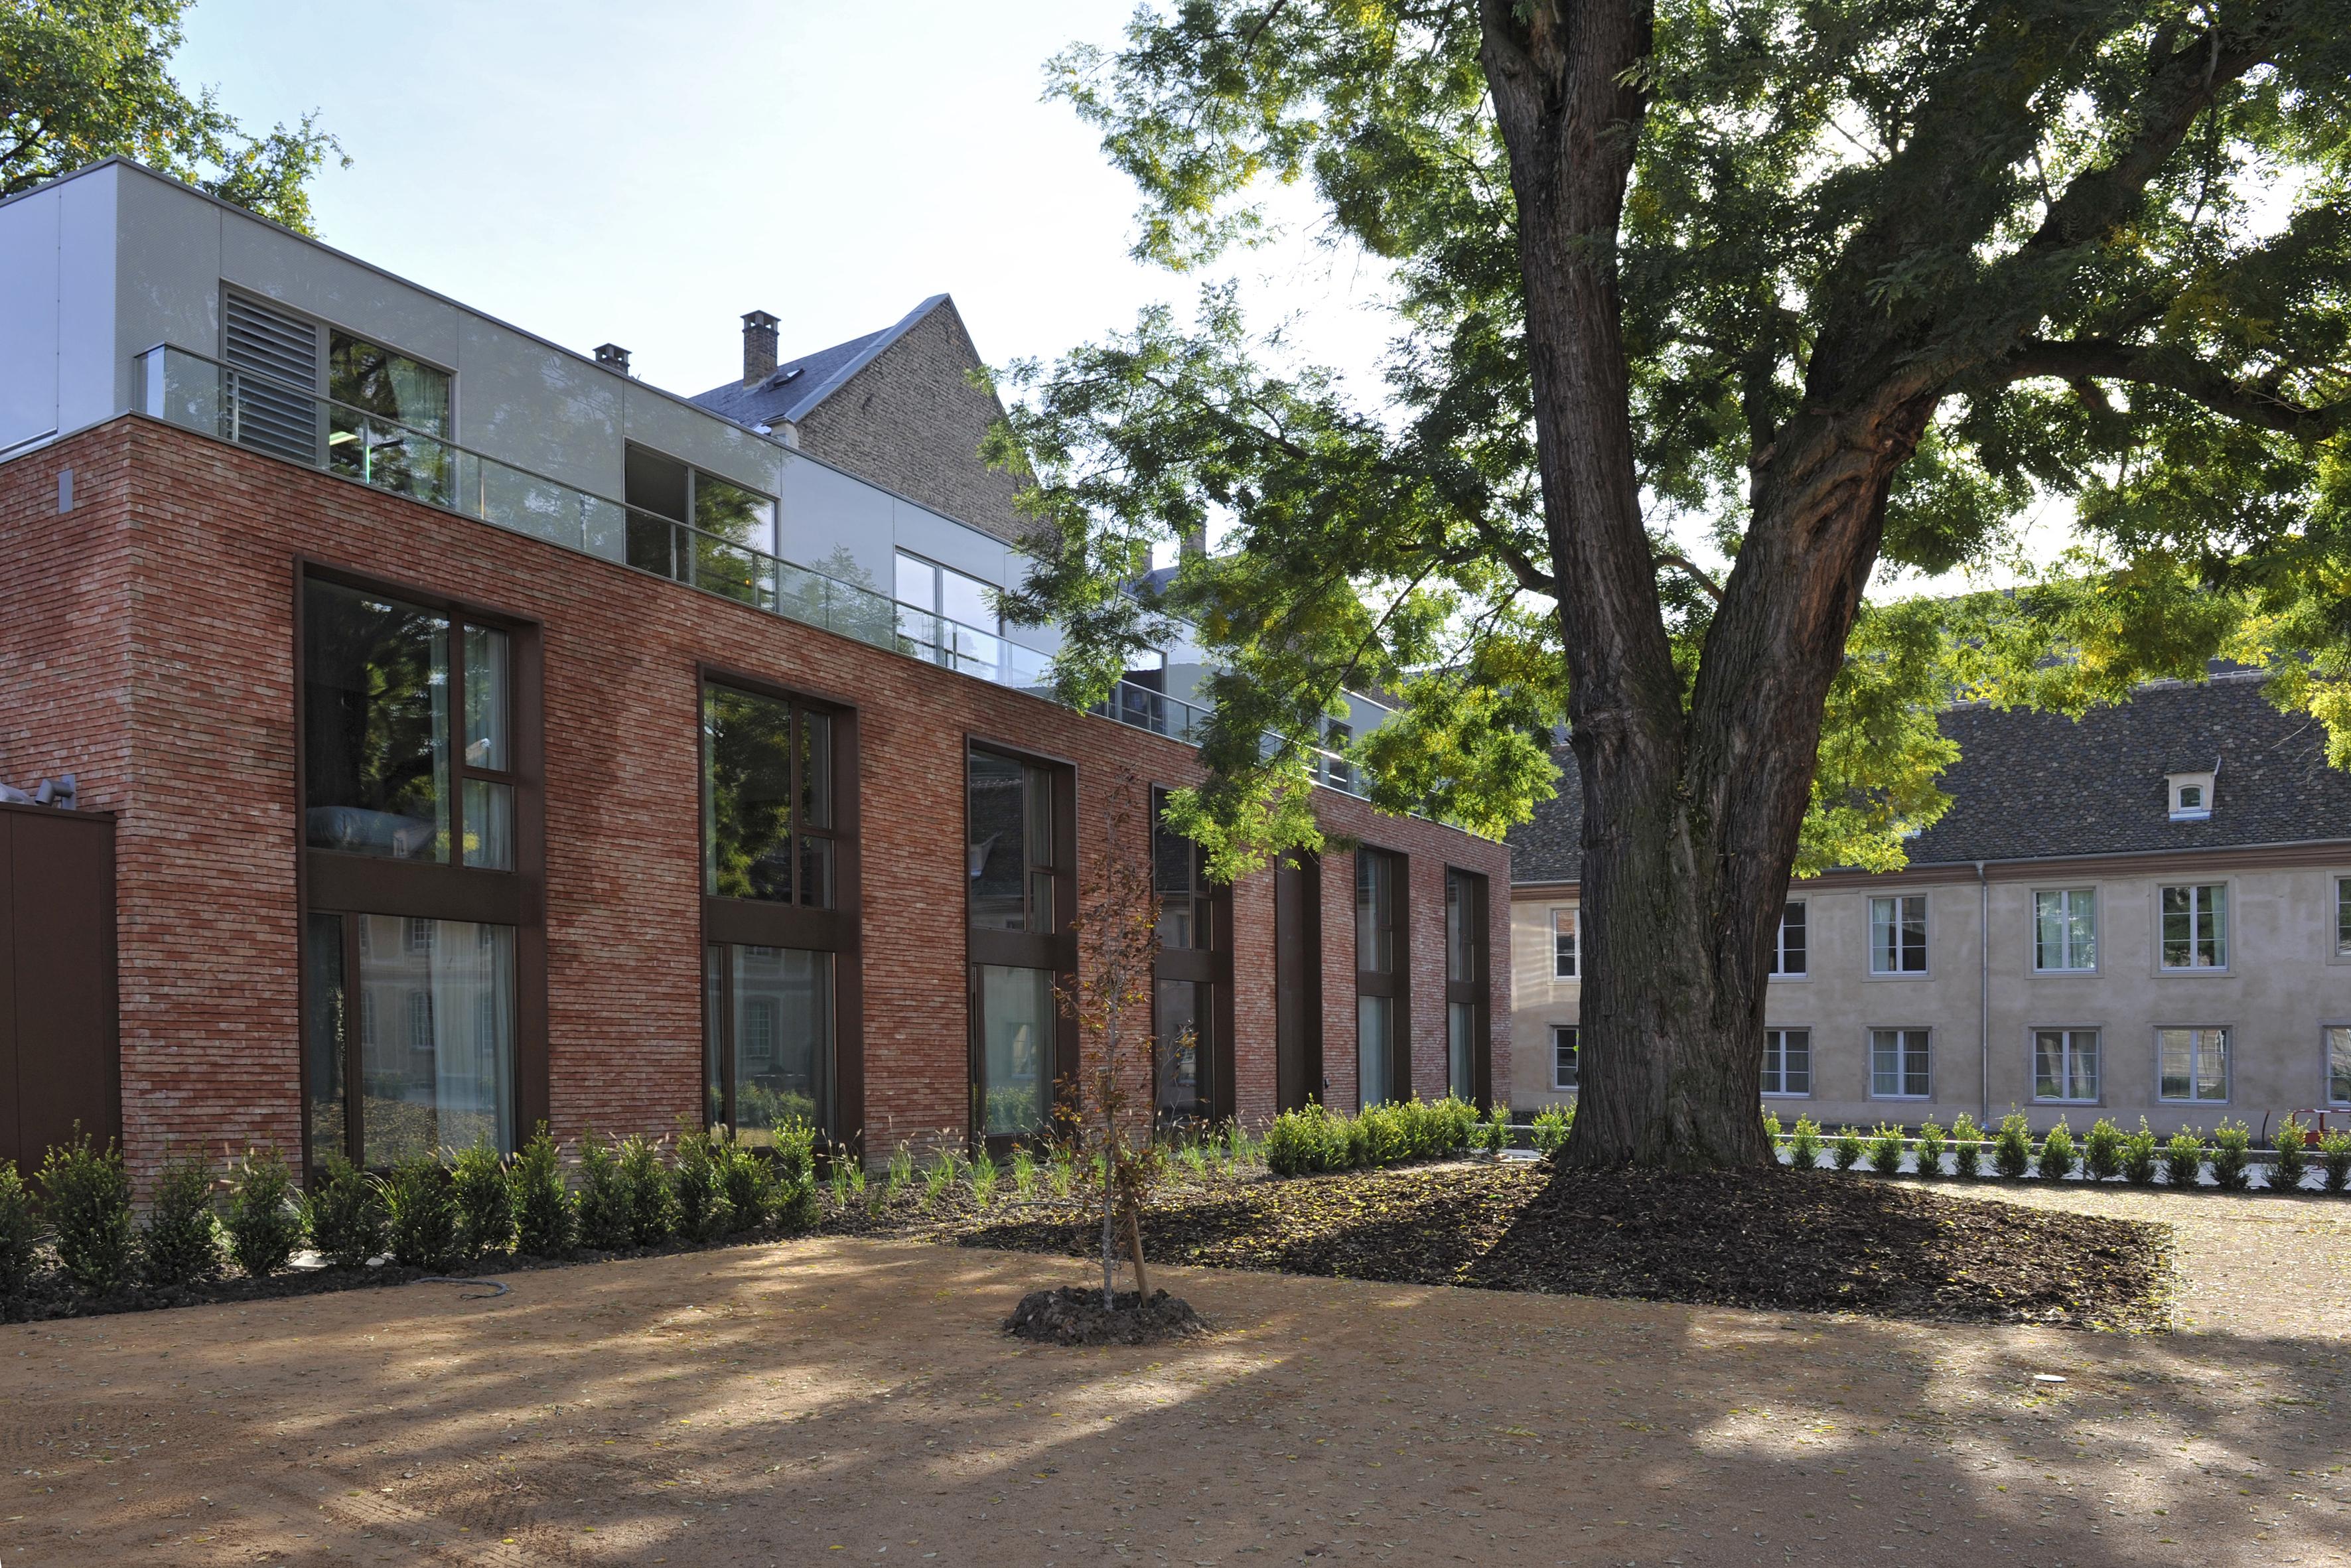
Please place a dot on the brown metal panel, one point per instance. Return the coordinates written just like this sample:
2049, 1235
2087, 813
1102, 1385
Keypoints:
1298, 980
365, 884
62, 891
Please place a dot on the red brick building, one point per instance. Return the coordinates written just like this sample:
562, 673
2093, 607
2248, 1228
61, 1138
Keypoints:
479, 756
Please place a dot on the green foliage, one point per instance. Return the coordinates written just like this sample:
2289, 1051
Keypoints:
543, 1214
2335, 1157
483, 1193
264, 1217
1064, 1163
747, 1180
2102, 1150
88, 78
1804, 1145
420, 1211
794, 1154
1494, 1135
1315, 1139
652, 1207
1306, 1141
938, 1175
2183, 1159
85, 1200
698, 1187
1549, 1128
1885, 1150
2292, 1159
2139, 1156
1847, 1151
983, 1179
1967, 1147
602, 1207
20, 1239
1024, 1170
1929, 1151
180, 1243
345, 1214
2057, 1154
901, 1173
2011, 1146
836, 1177
2232, 1156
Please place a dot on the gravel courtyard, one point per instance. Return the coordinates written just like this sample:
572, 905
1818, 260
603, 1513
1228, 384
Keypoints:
840, 1400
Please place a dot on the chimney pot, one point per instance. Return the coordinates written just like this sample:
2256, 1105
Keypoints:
758, 346
612, 357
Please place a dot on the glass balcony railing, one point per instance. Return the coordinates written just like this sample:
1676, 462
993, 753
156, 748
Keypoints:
197, 393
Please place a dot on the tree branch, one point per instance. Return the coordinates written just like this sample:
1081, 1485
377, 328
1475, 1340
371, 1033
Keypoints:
2085, 359
1689, 569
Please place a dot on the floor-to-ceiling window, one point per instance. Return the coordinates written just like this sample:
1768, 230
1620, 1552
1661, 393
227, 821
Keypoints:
1382, 1071
1466, 1014
780, 931
1192, 1065
422, 967
1019, 845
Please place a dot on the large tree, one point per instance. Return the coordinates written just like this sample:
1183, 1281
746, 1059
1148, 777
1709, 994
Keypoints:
85, 80
1827, 285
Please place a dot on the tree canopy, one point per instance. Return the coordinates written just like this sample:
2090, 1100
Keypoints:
85, 80
2091, 255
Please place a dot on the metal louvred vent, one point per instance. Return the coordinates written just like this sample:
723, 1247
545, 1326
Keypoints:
275, 360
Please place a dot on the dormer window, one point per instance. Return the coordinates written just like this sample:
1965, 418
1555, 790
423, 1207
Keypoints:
2191, 796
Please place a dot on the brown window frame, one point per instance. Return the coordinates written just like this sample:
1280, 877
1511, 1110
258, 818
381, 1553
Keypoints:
837, 929
346, 885
1393, 982
1055, 950
1474, 991
1209, 963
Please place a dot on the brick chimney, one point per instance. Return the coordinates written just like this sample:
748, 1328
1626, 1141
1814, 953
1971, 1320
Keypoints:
612, 357
758, 346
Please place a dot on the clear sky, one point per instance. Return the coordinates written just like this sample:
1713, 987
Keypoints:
645, 173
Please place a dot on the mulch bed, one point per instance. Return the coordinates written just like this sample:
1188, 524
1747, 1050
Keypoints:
1771, 1239
1073, 1316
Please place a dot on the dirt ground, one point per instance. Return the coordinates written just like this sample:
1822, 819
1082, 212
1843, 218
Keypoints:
839, 1400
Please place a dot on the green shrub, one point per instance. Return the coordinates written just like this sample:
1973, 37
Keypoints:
1496, 1131
1357, 1136
2183, 1159
86, 1199
2011, 1146
1967, 1147
1549, 1130
345, 1214
20, 1237
653, 1209
2293, 1157
1804, 1145
750, 1181
795, 1174
2101, 1151
180, 1243
1771, 1128
263, 1219
983, 1179
1885, 1150
1928, 1157
602, 1207
2138, 1155
1304, 1142
1024, 1169
1846, 1151
2334, 1157
697, 1192
542, 1208
2232, 1156
901, 1174
420, 1213
1457, 1123
938, 1175
484, 1194
2057, 1160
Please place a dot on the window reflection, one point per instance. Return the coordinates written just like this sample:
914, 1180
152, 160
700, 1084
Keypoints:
375, 722
1009, 853
1017, 1017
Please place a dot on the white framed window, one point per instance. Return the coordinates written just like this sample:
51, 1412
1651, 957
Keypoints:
2196, 926
1566, 951
2339, 1064
2343, 917
1898, 935
1563, 1061
2065, 1065
1788, 1061
2190, 796
2193, 1064
1901, 1064
1788, 948
2065, 929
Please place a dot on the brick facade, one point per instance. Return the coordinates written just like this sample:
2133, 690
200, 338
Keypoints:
147, 641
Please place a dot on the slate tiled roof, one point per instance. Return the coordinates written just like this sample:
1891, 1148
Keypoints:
797, 386
2029, 785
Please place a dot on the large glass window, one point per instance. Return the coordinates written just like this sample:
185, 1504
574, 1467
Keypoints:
1179, 877
697, 527
2065, 928
1900, 1064
1786, 1061
1374, 912
1378, 991
389, 422
1898, 935
381, 744
2343, 917
2194, 1063
1465, 981
1565, 1041
2065, 1064
2196, 926
1009, 851
770, 1017
1016, 1050
326, 999
2339, 1064
1374, 1036
1183, 1019
1788, 950
1565, 956
768, 819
